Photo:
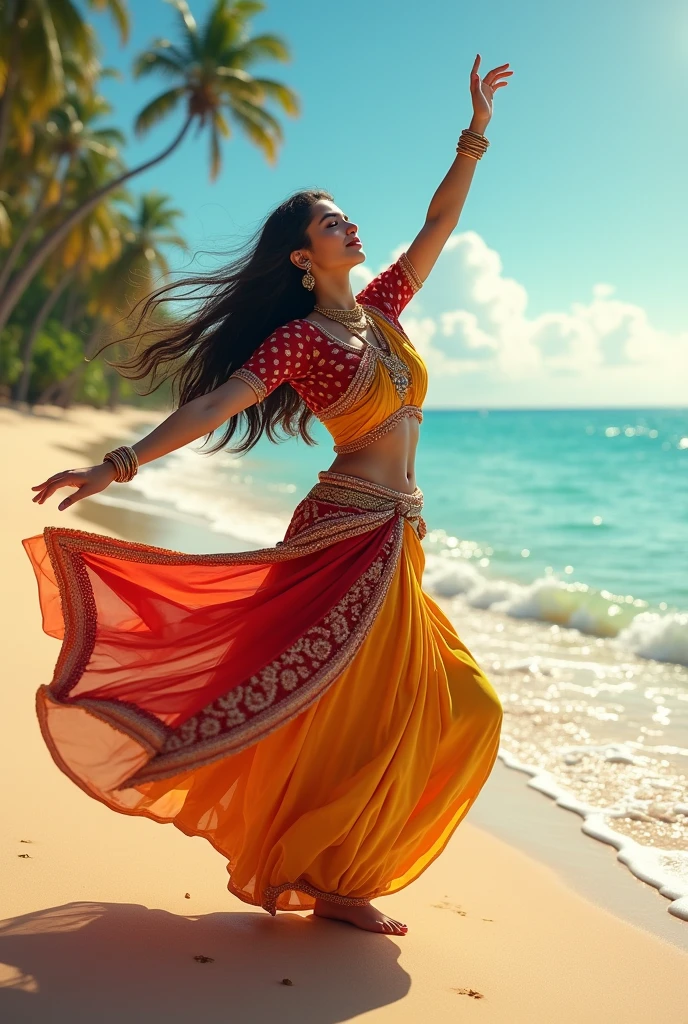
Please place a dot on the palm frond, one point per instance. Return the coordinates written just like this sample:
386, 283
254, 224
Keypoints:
120, 15
161, 59
261, 117
221, 124
247, 8
261, 47
51, 51
157, 109
189, 27
249, 119
5, 225
286, 97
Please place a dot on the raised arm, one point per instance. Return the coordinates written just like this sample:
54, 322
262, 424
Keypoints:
448, 201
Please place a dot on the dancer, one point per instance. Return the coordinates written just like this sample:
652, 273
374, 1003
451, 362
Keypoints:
307, 707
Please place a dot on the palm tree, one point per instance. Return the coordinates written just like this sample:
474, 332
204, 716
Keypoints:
209, 68
35, 36
92, 244
68, 140
129, 277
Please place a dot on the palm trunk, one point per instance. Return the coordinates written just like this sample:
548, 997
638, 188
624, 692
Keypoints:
24, 235
23, 277
30, 340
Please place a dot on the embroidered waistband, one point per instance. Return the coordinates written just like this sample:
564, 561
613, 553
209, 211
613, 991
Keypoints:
347, 489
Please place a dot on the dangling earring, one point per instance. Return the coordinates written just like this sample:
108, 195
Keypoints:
308, 281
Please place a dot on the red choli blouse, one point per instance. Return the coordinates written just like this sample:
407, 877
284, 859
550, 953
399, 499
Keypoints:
317, 366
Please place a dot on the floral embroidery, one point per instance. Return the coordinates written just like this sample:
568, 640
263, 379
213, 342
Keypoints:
285, 687
338, 507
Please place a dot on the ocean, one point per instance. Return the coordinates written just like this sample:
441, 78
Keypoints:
558, 545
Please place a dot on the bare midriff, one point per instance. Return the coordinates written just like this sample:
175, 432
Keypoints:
390, 459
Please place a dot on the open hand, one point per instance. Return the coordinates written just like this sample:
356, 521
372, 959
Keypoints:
482, 91
87, 481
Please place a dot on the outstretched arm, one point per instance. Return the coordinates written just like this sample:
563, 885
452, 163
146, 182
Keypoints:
186, 424
285, 355
447, 203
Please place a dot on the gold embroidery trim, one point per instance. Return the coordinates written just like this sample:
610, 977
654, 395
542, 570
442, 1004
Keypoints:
359, 385
410, 272
190, 746
380, 430
66, 546
273, 891
346, 489
251, 379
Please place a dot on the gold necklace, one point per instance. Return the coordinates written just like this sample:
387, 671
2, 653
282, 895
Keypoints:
356, 316
355, 321
399, 373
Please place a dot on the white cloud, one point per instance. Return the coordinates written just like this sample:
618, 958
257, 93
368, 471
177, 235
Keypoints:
470, 324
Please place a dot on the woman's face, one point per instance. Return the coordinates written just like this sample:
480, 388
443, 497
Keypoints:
330, 232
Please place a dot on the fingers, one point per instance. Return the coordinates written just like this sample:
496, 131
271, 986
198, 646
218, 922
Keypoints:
83, 492
496, 73
491, 76
53, 483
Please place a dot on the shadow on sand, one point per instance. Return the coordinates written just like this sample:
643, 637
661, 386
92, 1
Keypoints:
125, 964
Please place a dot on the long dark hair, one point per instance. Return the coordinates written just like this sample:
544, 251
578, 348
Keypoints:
240, 305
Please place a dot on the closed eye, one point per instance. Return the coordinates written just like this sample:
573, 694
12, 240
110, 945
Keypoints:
334, 223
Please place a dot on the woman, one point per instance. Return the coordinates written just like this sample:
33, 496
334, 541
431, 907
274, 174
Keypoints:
307, 708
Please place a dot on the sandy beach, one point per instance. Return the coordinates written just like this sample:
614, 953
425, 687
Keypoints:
103, 916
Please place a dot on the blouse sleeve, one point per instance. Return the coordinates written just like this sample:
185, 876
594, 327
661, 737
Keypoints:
393, 289
285, 355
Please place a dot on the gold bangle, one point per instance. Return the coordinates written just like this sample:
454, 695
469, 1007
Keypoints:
475, 135
472, 144
468, 145
125, 461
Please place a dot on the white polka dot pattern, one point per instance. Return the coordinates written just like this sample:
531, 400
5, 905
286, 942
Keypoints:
393, 289
311, 361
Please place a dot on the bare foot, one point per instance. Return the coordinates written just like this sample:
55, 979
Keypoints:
367, 917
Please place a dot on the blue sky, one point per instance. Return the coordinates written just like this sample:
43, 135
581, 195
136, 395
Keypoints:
564, 283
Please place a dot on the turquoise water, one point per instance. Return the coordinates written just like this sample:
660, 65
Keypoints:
602, 492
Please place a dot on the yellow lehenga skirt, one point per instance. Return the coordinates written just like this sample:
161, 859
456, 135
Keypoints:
307, 708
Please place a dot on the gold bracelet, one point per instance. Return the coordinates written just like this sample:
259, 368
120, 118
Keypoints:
125, 461
472, 144
468, 143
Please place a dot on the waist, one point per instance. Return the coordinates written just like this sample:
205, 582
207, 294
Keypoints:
357, 491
